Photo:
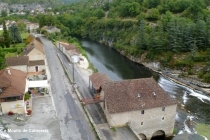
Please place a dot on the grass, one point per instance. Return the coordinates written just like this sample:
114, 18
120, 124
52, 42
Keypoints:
113, 129
10, 55
24, 35
203, 129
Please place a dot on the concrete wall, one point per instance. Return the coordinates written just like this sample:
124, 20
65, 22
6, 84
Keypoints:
148, 123
14, 106
36, 55
33, 68
20, 67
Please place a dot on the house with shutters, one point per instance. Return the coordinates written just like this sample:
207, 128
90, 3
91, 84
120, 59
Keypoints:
140, 104
13, 86
36, 55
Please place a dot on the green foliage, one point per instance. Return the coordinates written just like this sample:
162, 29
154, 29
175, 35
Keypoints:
3, 13
137, 26
2, 59
26, 96
6, 37
153, 14
15, 34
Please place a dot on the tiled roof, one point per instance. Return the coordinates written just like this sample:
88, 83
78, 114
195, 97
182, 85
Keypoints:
136, 94
98, 79
13, 84
34, 44
16, 61
36, 62
68, 46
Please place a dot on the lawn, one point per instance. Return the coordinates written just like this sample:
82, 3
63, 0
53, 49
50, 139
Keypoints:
203, 129
24, 35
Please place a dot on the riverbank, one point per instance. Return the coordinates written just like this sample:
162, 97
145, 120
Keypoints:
191, 82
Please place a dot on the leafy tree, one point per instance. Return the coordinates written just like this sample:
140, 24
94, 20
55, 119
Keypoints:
6, 35
3, 13
152, 3
99, 13
141, 42
153, 14
15, 34
2, 59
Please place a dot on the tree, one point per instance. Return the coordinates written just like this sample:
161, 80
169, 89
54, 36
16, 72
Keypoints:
15, 34
2, 59
3, 13
6, 36
153, 14
141, 42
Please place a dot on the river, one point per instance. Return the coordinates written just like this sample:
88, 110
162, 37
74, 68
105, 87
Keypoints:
192, 105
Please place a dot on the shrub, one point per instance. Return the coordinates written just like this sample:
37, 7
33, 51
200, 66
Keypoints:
27, 96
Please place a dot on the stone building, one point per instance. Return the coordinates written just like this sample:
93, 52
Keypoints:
140, 104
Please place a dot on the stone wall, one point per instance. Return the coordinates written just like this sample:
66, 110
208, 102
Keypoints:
148, 123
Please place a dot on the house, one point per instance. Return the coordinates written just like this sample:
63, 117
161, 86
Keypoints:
70, 50
32, 26
13, 86
20, 63
51, 29
139, 103
36, 54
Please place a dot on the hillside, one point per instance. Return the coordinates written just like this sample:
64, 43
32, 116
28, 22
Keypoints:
70, 1
31, 1
175, 33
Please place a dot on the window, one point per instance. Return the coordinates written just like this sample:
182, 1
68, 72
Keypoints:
142, 123
142, 112
163, 108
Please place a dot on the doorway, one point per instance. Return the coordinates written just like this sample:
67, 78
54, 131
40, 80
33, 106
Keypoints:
36, 68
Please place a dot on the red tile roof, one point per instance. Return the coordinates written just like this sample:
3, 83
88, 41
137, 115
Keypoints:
16, 61
98, 79
34, 44
136, 94
12, 84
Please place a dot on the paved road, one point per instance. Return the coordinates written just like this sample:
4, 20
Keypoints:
94, 109
73, 123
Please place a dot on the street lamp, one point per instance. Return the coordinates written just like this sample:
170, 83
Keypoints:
74, 59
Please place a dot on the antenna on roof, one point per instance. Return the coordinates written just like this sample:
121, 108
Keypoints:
154, 93
139, 95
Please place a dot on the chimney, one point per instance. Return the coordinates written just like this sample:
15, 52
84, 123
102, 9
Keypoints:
8, 71
154, 93
139, 95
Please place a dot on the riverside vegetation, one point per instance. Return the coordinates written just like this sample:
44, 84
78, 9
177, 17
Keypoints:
175, 33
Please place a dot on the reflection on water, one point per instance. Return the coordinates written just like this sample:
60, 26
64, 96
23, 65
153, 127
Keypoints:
191, 104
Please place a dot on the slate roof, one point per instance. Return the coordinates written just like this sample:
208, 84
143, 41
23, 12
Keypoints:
16, 61
98, 79
34, 44
12, 85
136, 94
36, 62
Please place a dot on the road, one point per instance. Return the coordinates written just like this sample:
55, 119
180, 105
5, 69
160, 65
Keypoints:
74, 124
